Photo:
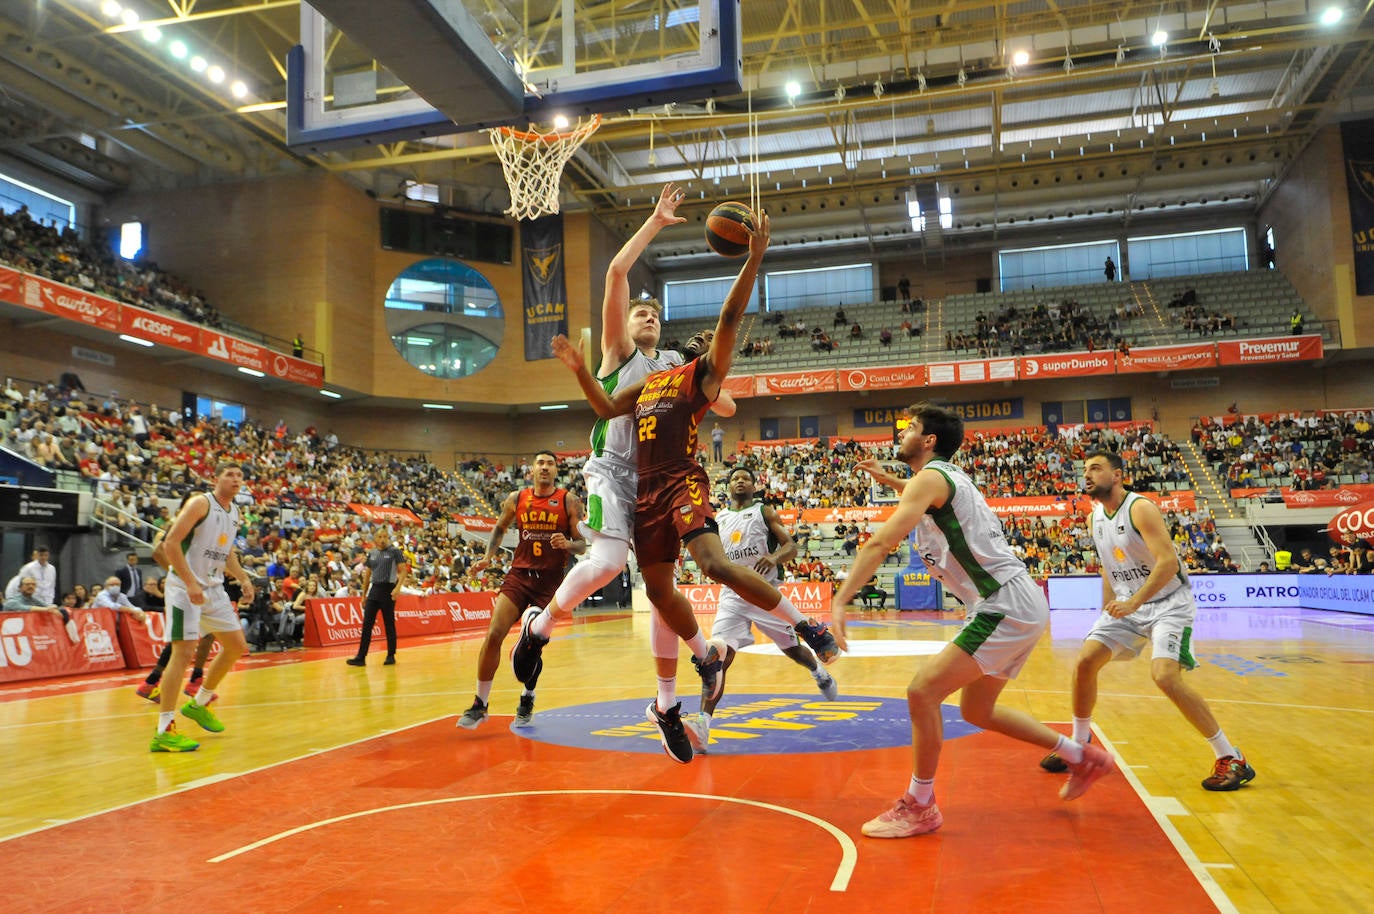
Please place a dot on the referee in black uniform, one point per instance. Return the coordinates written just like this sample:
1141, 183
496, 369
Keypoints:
386, 572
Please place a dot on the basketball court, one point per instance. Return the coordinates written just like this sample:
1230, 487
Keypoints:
337, 788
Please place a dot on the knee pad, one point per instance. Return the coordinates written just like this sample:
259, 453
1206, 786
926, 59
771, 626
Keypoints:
604, 560
662, 639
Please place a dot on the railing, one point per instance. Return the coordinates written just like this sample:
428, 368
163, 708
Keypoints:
111, 534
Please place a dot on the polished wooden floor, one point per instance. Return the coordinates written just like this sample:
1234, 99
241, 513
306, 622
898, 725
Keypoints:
488, 820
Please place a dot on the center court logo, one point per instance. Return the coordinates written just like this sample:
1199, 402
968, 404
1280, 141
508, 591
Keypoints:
746, 725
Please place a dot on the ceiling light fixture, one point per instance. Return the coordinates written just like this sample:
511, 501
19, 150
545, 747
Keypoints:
1332, 15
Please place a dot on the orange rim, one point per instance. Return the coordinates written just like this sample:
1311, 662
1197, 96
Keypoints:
530, 136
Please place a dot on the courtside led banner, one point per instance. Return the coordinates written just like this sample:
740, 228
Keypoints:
738, 386
1357, 137
1273, 349
1167, 358
1066, 364
890, 377
796, 382
69, 303
384, 513
35, 645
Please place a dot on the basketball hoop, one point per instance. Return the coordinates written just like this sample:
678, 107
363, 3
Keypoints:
533, 164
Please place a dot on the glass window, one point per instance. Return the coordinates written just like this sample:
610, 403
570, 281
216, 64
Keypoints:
1161, 256
1058, 265
44, 208
822, 287
444, 318
684, 299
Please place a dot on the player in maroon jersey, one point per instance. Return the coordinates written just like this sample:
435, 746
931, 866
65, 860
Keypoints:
673, 508
546, 517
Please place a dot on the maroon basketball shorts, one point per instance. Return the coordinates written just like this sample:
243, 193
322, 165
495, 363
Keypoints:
674, 506
526, 587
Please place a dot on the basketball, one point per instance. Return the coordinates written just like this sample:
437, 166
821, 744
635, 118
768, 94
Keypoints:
728, 229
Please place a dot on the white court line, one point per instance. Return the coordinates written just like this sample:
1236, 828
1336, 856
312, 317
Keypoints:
849, 854
185, 788
1157, 807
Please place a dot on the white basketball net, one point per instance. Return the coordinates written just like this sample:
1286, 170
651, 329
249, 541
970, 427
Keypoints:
533, 165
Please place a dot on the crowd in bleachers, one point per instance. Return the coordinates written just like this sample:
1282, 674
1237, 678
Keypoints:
62, 255
1067, 327
1301, 452
141, 459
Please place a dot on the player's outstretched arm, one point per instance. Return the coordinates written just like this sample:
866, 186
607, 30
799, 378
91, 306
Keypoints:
926, 489
722, 352
606, 406
616, 345
787, 547
498, 533
880, 475
724, 405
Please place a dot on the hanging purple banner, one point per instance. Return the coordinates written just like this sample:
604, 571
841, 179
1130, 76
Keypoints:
546, 291
1358, 139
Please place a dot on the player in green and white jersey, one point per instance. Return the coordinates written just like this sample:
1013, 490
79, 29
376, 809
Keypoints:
752, 534
200, 547
962, 543
1146, 598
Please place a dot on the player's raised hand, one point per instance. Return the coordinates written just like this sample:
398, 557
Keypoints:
567, 353
666, 210
837, 629
758, 240
870, 466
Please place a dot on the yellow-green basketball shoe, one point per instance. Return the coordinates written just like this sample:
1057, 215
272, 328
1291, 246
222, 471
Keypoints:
171, 741
203, 716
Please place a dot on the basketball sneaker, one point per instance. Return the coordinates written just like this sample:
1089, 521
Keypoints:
193, 685
698, 727
670, 731
524, 657
524, 714
170, 740
1229, 773
817, 637
150, 690
203, 716
474, 715
710, 667
829, 687
905, 819
1056, 765
1096, 762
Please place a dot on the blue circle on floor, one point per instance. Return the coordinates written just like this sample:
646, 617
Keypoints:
745, 725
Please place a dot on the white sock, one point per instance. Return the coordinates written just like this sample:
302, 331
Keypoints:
1222, 746
819, 674
786, 610
165, 720
526, 693
542, 624
1082, 729
204, 696
484, 690
923, 790
1069, 750
697, 644
667, 693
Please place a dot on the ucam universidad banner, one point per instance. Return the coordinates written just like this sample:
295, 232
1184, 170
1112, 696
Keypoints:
546, 288
1357, 138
